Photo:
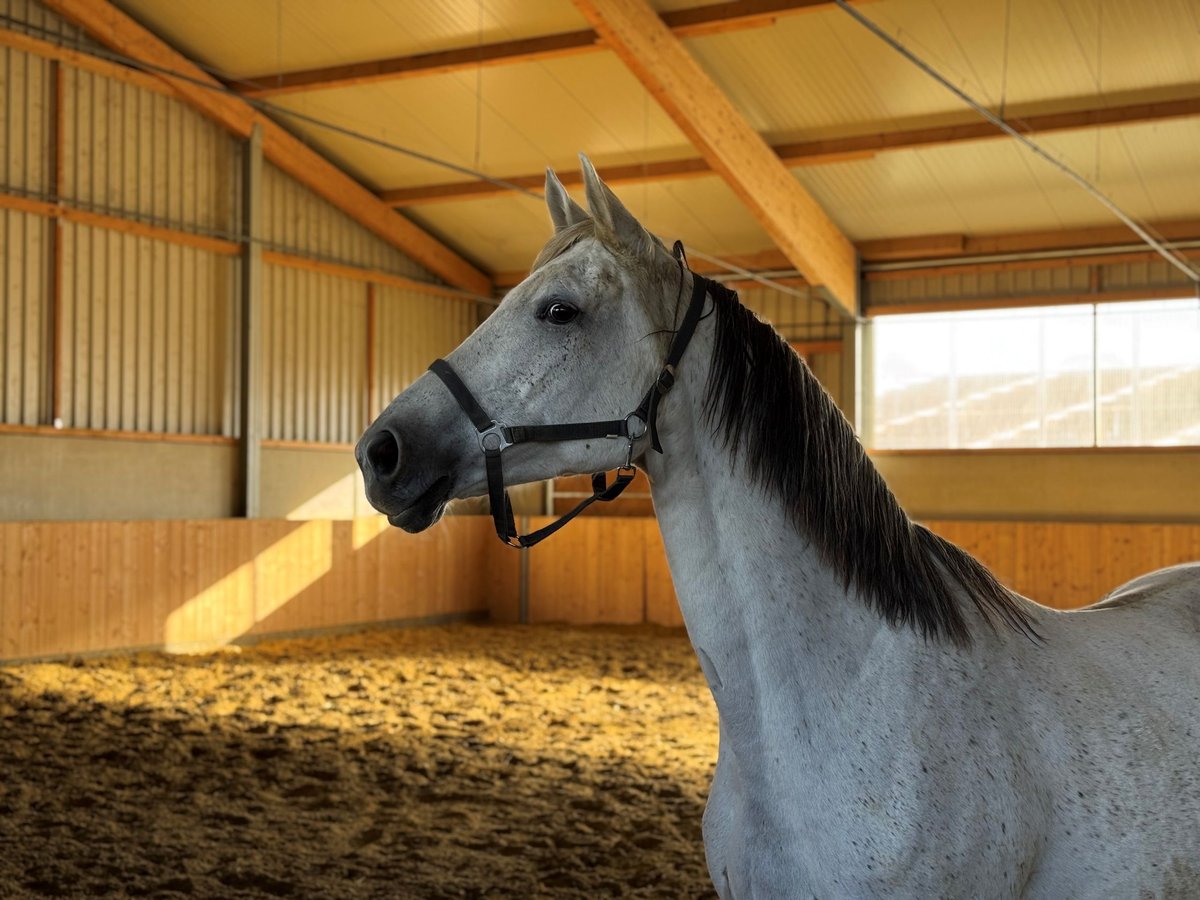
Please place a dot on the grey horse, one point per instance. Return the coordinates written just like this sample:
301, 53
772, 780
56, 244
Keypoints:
893, 721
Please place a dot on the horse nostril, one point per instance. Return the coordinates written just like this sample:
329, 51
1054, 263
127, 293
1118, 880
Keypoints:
383, 453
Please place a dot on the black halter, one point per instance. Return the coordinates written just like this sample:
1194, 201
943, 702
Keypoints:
495, 437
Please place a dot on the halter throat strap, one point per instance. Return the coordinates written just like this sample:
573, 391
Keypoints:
496, 437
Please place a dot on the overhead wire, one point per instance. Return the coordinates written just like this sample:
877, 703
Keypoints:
1138, 228
267, 107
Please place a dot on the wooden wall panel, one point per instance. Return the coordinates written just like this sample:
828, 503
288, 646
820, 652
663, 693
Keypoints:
661, 606
593, 571
606, 569
1070, 564
79, 587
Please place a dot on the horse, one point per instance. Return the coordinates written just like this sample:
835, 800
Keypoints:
893, 722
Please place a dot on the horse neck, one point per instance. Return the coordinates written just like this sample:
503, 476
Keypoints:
759, 603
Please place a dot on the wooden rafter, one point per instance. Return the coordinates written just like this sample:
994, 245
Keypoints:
693, 22
118, 31
840, 149
787, 212
949, 246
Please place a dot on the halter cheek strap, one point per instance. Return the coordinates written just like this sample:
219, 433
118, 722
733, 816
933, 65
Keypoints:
496, 437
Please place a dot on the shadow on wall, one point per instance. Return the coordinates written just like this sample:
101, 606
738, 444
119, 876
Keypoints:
78, 587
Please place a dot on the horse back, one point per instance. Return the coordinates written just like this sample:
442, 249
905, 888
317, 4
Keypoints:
1176, 587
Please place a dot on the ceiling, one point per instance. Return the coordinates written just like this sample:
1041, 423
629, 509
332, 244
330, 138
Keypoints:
804, 77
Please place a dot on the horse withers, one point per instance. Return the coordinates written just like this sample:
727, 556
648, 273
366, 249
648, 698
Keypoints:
893, 721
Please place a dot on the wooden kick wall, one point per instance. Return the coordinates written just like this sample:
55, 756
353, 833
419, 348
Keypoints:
79, 587
614, 570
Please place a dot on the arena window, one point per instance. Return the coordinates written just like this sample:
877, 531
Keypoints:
1104, 375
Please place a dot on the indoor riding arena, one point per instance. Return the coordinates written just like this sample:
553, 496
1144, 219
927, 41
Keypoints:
232, 232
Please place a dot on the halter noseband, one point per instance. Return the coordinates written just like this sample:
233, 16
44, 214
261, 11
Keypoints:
496, 437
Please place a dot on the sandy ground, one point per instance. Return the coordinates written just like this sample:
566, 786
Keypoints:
465, 761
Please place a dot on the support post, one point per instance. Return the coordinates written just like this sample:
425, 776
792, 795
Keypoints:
250, 446
56, 252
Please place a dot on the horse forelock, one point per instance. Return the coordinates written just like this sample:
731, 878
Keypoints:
563, 240
772, 414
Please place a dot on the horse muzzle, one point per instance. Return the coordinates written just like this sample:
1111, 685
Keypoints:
412, 495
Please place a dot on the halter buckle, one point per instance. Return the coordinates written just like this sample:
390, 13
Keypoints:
495, 439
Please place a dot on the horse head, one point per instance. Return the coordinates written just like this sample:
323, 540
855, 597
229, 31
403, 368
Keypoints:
579, 339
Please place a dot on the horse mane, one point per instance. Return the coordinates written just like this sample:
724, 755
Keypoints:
770, 410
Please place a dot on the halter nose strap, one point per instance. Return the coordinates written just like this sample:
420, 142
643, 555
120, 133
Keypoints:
496, 437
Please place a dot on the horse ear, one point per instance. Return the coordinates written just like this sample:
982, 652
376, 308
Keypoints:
564, 212
615, 225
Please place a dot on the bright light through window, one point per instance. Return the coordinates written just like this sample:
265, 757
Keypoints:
1071, 376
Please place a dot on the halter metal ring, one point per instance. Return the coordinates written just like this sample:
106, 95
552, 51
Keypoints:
494, 439
635, 426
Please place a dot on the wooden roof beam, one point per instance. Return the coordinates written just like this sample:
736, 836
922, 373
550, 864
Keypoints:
948, 246
701, 20
811, 153
118, 31
735, 151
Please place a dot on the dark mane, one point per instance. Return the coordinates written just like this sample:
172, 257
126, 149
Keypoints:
771, 411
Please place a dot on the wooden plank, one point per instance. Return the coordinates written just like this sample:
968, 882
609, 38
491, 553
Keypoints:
811, 348
788, 213
837, 149
78, 59
361, 273
951, 269
577, 582
96, 586
120, 32
118, 224
114, 434
694, 22
1017, 302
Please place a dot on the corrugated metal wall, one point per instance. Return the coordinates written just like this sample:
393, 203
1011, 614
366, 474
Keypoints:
148, 330
147, 333
314, 355
26, 120
138, 152
298, 221
411, 331
24, 317
806, 318
315, 389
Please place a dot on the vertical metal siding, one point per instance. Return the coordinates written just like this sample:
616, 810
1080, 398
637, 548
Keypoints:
314, 362
298, 221
411, 331
149, 338
26, 120
146, 332
24, 319
796, 318
135, 152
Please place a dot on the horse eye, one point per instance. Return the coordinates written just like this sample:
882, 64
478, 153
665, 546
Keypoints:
560, 313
